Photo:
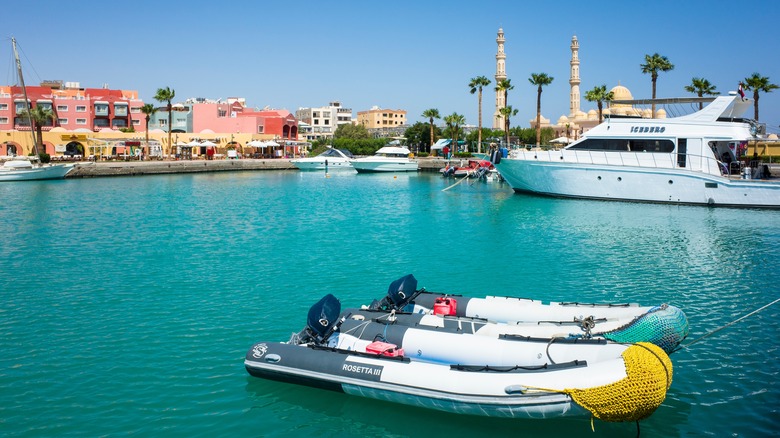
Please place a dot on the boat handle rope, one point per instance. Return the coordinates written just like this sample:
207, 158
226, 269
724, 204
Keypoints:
706, 335
586, 324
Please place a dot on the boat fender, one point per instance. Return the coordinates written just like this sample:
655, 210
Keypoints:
445, 306
495, 157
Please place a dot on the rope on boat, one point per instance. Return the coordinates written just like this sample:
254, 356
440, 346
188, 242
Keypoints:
706, 335
461, 180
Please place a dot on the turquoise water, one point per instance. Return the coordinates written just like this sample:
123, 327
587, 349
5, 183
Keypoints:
127, 304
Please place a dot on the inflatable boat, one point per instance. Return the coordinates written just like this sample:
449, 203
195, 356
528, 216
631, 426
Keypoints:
663, 325
629, 387
463, 344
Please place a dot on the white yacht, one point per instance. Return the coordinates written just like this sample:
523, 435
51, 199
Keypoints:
682, 160
387, 159
331, 159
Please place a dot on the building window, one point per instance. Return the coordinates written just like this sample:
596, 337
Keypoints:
260, 129
62, 108
81, 121
3, 106
136, 122
221, 113
3, 120
162, 122
62, 121
135, 110
81, 109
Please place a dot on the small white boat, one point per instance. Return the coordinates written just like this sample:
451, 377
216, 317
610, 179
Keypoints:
387, 159
680, 160
23, 168
331, 159
26, 170
629, 387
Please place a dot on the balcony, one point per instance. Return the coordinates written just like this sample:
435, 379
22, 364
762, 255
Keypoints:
120, 110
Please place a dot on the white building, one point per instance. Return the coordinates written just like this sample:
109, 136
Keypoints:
323, 121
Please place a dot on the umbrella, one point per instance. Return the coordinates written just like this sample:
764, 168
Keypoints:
193, 143
256, 144
208, 143
272, 143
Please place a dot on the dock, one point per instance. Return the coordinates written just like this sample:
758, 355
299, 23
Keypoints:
139, 168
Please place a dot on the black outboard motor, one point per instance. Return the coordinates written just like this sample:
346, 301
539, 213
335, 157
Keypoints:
400, 293
323, 319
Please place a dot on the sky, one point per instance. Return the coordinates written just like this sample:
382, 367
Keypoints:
409, 55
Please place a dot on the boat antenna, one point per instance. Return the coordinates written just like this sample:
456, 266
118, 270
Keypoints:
27, 104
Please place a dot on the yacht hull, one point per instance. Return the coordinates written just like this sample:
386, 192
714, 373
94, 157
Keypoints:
57, 171
639, 184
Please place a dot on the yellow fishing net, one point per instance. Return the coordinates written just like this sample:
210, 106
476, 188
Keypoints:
648, 376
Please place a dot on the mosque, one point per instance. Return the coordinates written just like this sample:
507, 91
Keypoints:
571, 126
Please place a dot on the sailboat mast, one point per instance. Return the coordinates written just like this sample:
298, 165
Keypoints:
27, 104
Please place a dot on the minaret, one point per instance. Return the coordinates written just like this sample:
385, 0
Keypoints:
574, 80
498, 119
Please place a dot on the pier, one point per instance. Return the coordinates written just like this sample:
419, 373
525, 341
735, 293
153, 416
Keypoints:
138, 168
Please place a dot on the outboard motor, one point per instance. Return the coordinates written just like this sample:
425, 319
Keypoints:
400, 293
323, 319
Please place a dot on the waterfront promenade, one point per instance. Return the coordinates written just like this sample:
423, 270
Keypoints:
137, 168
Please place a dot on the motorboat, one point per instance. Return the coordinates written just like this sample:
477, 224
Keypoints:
678, 160
626, 387
473, 169
663, 325
387, 159
331, 159
22, 169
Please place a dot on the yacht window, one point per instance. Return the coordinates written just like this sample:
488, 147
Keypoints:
632, 145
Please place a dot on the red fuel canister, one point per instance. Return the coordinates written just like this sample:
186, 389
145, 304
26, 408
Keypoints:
384, 349
445, 306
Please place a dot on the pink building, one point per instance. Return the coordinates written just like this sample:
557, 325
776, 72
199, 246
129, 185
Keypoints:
233, 117
74, 108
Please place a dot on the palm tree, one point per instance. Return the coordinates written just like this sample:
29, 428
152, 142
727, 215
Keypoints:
758, 83
166, 95
475, 85
507, 112
701, 86
504, 85
599, 95
653, 64
431, 114
39, 117
453, 122
540, 80
149, 110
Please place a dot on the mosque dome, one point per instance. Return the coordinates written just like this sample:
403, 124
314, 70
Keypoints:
562, 120
621, 93
593, 114
660, 113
